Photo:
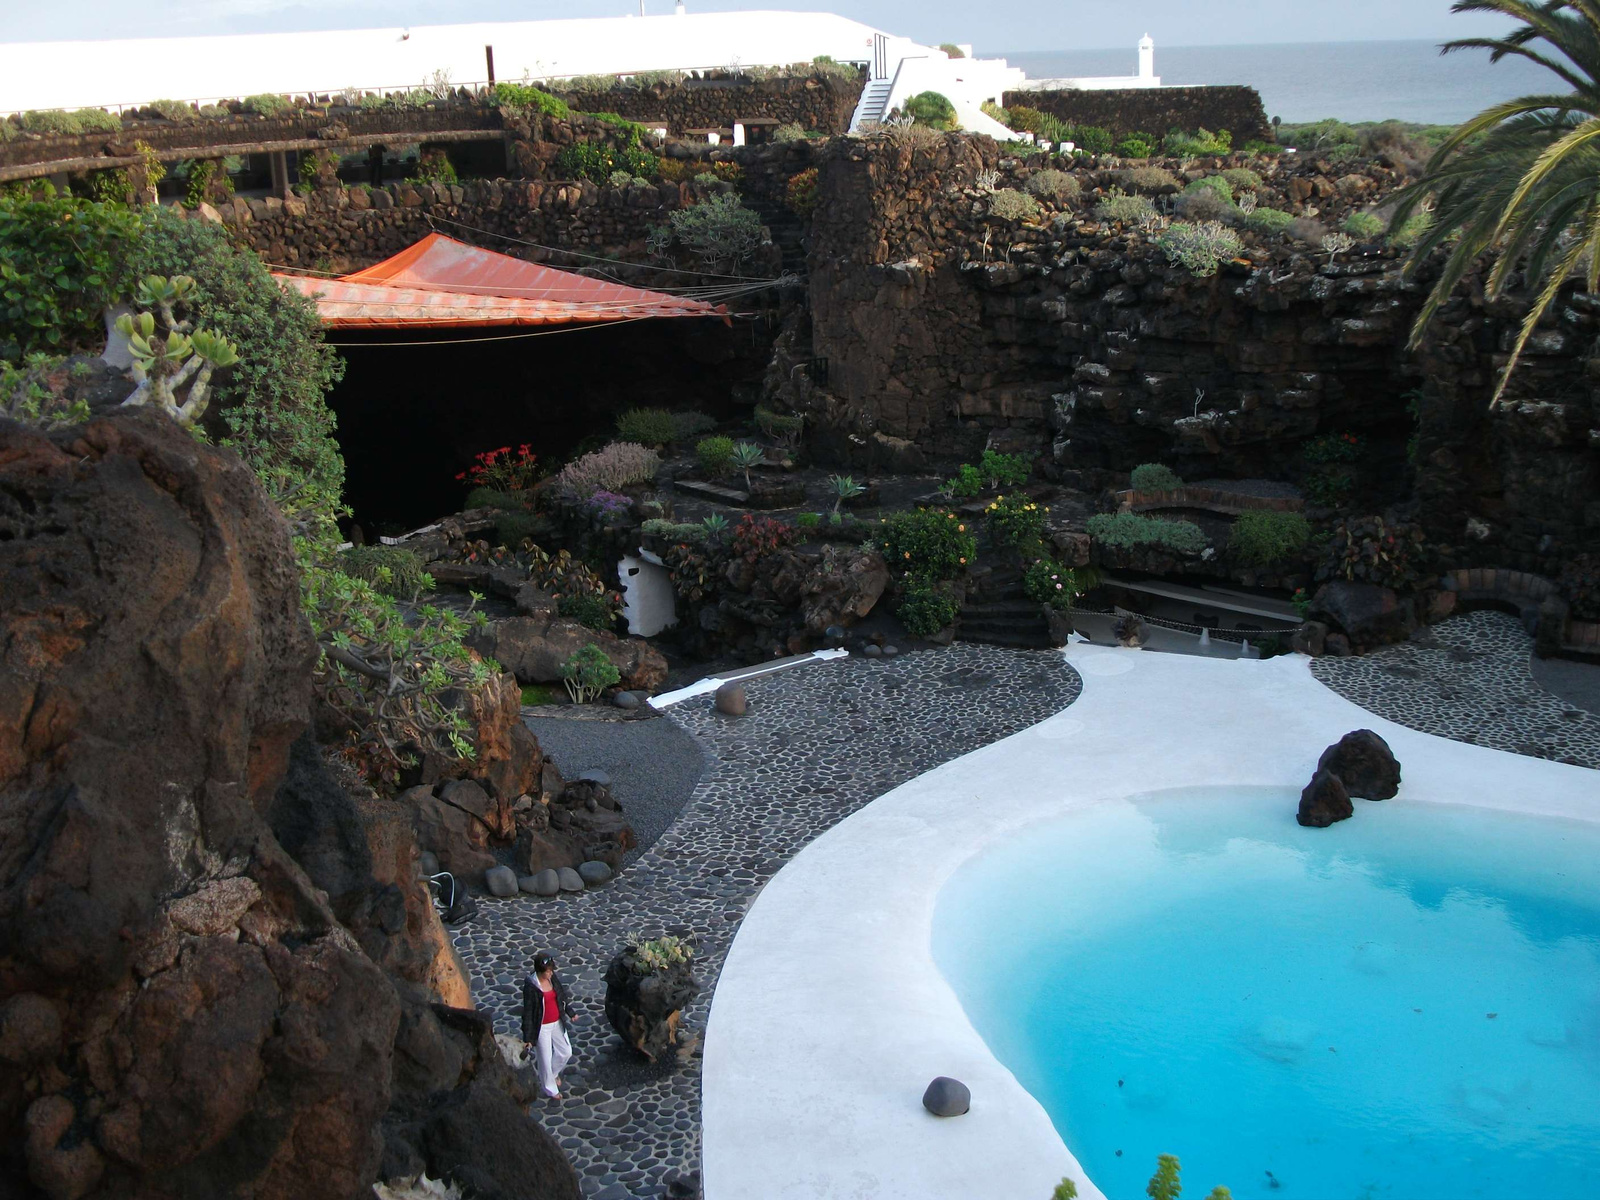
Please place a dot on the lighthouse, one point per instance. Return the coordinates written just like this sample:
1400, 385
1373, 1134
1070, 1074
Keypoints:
1147, 59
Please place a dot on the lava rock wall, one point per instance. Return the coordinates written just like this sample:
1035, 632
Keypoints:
1157, 110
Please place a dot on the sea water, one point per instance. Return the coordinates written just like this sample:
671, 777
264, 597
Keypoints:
1404, 1006
1353, 81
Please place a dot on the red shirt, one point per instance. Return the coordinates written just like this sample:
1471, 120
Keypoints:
552, 1011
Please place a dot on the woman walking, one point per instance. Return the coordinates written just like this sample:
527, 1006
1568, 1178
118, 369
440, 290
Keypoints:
545, 1025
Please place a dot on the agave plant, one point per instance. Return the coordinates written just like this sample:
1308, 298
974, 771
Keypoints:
745, 456
1522, 177
843, 487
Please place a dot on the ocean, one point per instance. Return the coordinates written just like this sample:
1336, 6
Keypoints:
1353, 81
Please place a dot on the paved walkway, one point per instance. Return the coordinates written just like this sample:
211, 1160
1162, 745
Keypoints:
818, 743
1469, 679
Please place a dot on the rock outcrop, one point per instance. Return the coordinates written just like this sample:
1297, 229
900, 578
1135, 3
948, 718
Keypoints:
535, 649
1364, 764
1324, 801
188, 1006
644, 1006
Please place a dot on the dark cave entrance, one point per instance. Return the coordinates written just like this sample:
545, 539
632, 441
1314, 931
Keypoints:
413, 409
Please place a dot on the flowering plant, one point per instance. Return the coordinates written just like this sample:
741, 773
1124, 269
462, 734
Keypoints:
502, 470
756, 537
1015, 521
607, 504
927, 542
1332, 448
1048, 582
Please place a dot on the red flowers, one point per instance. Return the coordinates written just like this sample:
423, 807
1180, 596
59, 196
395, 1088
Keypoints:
503, 471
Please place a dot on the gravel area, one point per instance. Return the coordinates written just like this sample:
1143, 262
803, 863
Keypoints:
818, 743
654, 765
1469, 678
1266, 488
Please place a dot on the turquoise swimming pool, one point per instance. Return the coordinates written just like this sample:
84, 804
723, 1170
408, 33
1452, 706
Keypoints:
1405, 1006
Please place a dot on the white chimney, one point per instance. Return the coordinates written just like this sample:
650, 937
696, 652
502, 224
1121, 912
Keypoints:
680, 10
1147, 57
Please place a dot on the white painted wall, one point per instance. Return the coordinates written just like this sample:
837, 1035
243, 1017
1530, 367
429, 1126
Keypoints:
84, 74
965, 82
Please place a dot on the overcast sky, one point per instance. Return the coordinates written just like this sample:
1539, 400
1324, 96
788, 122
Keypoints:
992, 29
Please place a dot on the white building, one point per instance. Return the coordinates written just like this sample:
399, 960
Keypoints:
1146, 78
131, 73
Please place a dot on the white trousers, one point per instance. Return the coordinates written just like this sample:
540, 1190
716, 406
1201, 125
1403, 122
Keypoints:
551, 1055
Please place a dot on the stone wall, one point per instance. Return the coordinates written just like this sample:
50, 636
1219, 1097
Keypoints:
1157, 110
822, 102
939, 325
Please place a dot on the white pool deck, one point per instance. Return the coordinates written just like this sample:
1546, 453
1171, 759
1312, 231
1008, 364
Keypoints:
830, 1017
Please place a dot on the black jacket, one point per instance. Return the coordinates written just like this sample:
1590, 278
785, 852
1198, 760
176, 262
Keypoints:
533, 1007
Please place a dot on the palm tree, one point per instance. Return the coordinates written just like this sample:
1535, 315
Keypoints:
1523, 177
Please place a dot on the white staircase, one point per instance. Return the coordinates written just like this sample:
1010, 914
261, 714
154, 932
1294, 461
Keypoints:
874, 103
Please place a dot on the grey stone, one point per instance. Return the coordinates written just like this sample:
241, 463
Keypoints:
834, 635
570, 880
428, 863
872, 650
528, 884
629, 700
546, 883
501, 881
731, 699
594, 871
594, 775
947, 1097
891, 651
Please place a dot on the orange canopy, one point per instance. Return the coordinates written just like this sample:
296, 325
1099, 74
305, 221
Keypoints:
440, 283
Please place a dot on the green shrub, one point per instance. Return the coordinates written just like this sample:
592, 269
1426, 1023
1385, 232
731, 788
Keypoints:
789, 131
610, 469
633, 133
483, 497
692, 424
1263, 539
1200, 249
968, 482
1243, 179
1008, 204
1215, 184
58, 121
951, 50
596, 162
271, 406
1005, 470
588, 673
720, 231
786, 426
588, 608
923, 609
801, 192
1373, 550
266, 105
1041, 124
178, 112
1137, 145
1269, 221
808, 520
1126, 530
1129, 210
1092, 138
1015, 521
62, 261
1056, 185
1183, 145
647, 426
514, 528
1149, 180
927, 542
1364, 226
1154, 477
1048, 582
995, 113
1412, 230
392, 570
715, 456
932, 109
671, 531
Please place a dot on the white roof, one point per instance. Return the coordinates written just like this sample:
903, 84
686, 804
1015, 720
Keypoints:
85, 74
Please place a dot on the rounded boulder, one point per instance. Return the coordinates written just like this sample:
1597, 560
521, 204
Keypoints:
501, 881
731, 699
570, 880
546, 882
594, 872
947, 1097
